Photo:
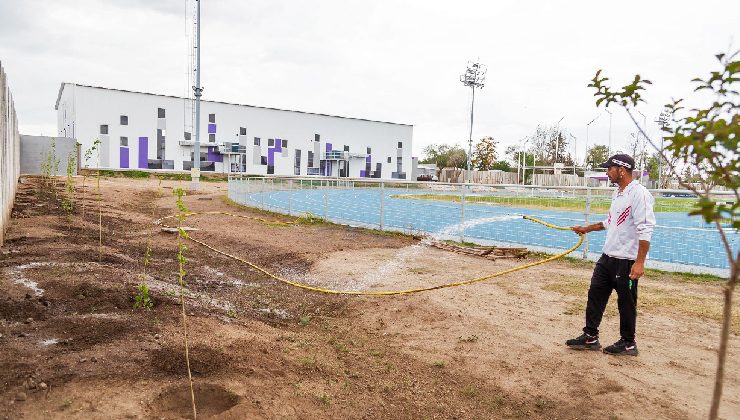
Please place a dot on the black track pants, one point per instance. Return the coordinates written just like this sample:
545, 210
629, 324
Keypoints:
612, 274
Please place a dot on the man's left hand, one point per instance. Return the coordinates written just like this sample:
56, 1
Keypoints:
638, 269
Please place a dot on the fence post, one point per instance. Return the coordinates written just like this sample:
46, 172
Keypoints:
382, 195
290, 197
229, 187
326, 202
246, 192
588, 211
262, 194
462, 213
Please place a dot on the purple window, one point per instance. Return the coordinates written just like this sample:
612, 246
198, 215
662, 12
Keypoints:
214, 156
143, 152
124, 157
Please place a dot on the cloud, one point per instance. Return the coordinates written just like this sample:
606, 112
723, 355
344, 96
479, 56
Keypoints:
386, 60
167, 7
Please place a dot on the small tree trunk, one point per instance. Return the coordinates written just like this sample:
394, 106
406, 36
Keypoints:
724, 336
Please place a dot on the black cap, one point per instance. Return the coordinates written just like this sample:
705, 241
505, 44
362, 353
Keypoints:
622, 160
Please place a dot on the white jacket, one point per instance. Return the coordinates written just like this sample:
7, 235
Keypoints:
631, 219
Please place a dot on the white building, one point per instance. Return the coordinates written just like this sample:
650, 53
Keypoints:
147, 131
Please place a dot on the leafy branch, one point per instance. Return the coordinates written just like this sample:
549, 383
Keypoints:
706, 140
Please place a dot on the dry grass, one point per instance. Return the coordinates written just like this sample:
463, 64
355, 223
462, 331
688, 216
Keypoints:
513, 288
653, 298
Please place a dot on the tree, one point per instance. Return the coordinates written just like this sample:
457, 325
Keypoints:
549, 145
597, 155
484, 156
501, 165
445, 156
637, 151
457, 158
654, 166
705, 140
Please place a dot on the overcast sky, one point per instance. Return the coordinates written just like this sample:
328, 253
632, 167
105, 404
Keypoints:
397, 61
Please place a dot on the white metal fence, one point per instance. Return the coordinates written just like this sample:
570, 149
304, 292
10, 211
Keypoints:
489, 214
9, 154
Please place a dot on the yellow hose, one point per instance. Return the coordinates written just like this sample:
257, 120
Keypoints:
380, 293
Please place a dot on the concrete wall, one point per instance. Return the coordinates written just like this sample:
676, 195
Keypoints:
9, 154
144, 131
35, 149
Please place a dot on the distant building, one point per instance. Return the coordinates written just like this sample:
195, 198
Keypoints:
427, 169
600, 179
147, 131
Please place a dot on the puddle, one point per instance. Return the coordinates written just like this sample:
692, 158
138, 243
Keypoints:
201, 299
239, 283
223, 278
16, 274
48, 342
102, 315
280, 313
212, 271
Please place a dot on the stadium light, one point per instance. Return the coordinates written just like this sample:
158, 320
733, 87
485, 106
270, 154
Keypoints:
474, 77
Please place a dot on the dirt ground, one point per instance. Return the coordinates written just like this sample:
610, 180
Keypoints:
71, 346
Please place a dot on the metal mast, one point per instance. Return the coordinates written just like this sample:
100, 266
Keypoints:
195, 171
664, 122
475, 77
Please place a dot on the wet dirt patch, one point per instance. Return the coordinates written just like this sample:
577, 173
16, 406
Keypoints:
170, 360
13, 368
83, 332
20, 310
210, 399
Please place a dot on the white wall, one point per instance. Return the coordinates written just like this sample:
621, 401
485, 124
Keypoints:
9, 154
82, 109
35, 148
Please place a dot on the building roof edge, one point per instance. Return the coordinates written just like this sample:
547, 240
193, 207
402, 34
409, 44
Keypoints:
61, 88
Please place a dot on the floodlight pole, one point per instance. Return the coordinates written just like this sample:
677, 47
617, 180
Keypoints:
475, 77
663, 121
520, 161
195, 170
574, 152
524, 161
470, 138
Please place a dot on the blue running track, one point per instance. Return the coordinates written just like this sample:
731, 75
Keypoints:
678, 238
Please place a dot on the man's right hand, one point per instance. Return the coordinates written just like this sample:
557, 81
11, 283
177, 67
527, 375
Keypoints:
581, 230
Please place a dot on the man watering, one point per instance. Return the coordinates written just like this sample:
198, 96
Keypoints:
629, 227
